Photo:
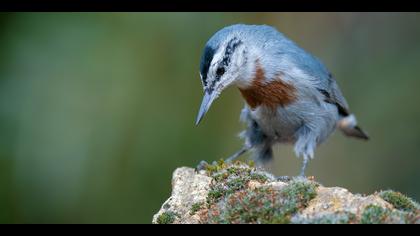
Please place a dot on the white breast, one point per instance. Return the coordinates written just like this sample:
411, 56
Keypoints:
283, 123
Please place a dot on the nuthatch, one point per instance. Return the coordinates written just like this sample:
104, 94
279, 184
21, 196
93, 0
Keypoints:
290, 97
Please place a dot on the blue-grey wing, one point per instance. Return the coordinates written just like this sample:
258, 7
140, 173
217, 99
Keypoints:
326, 84
285, 49
329, 88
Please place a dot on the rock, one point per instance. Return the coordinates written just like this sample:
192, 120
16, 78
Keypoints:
188, 188
241, 193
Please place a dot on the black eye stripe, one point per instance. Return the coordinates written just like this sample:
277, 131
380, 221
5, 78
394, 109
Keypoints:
230, 48
205, 63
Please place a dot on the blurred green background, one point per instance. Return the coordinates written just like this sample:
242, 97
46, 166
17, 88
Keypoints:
98, 109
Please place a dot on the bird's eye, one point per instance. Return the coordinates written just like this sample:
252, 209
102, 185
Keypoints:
220, 71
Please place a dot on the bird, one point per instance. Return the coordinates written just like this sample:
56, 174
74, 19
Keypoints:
290, 96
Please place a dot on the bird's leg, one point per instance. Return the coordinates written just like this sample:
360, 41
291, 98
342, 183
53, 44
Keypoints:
237, 154
305, 163
305, 146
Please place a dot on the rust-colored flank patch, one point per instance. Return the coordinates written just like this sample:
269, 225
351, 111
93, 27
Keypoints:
272, 94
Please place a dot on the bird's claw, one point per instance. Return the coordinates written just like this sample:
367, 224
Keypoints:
283, 178
201, 166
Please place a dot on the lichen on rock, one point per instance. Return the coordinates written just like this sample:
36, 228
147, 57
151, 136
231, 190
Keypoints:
239, 193
399, 200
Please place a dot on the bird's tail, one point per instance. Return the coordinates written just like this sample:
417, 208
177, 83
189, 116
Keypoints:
348, 125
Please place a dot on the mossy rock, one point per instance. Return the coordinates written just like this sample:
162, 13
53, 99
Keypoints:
399, 200
264, 205
240, 193
166, 218
230, 200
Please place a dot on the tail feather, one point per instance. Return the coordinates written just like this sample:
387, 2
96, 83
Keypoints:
348, 125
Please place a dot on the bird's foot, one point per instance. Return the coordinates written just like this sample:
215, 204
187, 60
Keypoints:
283, 178
303, 177
201, 166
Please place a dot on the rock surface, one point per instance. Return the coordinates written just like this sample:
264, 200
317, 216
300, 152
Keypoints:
240, 193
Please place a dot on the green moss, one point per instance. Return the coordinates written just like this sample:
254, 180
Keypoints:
259, 177
214, 195
236, 167
222, 189
399, 201
216, 166
299, 192
263, 205
238, 170
379, 215
229, 178
167, 217
374, 215
249, 206
236, 184
220, 176
196, 207
328, 218
251, 163
230, 201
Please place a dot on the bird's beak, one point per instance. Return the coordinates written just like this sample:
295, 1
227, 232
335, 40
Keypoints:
208, 99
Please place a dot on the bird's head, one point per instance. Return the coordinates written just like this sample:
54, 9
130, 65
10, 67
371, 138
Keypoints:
223, 63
